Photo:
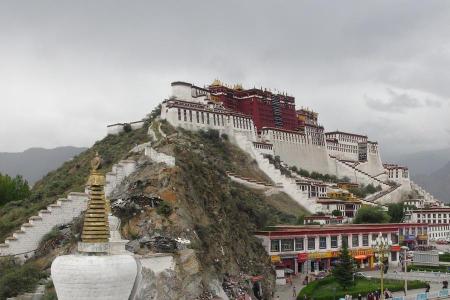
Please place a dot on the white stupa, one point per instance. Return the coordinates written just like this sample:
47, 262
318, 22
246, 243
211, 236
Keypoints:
102, 268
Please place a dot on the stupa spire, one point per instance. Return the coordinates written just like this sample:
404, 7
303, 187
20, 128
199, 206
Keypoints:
96, 227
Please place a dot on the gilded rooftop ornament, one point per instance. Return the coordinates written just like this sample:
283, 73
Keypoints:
95, 227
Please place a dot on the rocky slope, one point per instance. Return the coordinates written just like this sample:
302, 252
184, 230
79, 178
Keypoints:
198, 204
202, 206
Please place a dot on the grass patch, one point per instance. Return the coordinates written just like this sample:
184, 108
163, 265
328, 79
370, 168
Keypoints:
324, 289
444, 257
17, 279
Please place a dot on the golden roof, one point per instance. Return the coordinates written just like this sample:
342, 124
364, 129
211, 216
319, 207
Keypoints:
238, 87
96, 227
216, 82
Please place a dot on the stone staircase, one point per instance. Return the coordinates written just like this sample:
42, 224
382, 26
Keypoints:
286, 184
26, 240
373, 198
249, 182
367, 177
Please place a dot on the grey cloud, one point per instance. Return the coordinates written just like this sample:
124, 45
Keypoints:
58, 59
396, 102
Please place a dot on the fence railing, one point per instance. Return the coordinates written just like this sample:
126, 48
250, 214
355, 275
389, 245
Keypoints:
442, 294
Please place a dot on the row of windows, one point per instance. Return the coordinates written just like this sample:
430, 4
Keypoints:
262, 146
217, 119
290, 137
439, 234
412, 231
347, 138
309, 243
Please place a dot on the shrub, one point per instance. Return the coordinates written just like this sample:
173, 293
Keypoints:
16, 279
164, 209
127, 127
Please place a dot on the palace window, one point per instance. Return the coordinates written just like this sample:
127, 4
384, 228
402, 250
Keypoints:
287, 245
299, 244
311, 243
190, 115
345, 240
365, 240
275, 246
355, 240
179, 114
207, 118
323, 242
185, 116
203, 118
196, 114
394, 238
334, 241
214, 118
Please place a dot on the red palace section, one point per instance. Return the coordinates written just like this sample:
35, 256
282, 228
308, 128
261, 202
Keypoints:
266, 108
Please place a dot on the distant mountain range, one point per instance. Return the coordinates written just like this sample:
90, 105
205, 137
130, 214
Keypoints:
431, 170
34, 163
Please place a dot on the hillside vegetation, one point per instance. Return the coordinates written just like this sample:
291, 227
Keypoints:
70, 177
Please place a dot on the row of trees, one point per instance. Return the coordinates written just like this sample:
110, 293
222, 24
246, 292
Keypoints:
371, 215
13, 188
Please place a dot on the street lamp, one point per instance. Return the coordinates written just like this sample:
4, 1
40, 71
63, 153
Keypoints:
381, 246
404, 248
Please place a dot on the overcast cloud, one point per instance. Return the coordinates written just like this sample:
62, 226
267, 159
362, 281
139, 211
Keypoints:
69, 68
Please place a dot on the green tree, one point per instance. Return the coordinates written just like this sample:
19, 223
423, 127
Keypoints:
370, 215
344, 270
336, 213
396, 212
12, 189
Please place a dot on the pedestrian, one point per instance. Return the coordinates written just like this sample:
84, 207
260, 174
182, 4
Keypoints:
377, 295
369, 296
427, 288
294, 292
359, 296
444, 284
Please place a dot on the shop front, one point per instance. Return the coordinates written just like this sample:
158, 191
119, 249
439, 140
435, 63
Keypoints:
364, 257
321, 261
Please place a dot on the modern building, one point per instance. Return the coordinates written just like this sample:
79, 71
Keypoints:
311, 248
437, 215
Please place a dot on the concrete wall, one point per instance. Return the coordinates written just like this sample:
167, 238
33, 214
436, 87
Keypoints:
227, 127
118, 172
159, 157
27, 239
373, 166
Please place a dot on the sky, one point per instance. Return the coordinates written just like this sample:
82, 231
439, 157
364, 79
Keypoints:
69, 68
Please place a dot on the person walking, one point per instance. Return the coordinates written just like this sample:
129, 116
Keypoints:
294, 292
427, 288
359, 297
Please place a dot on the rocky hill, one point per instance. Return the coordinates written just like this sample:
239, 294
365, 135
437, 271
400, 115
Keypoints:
34, 163
198, 204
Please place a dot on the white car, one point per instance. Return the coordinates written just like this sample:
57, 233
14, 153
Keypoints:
363, 275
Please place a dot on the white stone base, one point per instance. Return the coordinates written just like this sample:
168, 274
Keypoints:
83, 277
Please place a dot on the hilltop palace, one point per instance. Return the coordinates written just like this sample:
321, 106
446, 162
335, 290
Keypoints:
264, 123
